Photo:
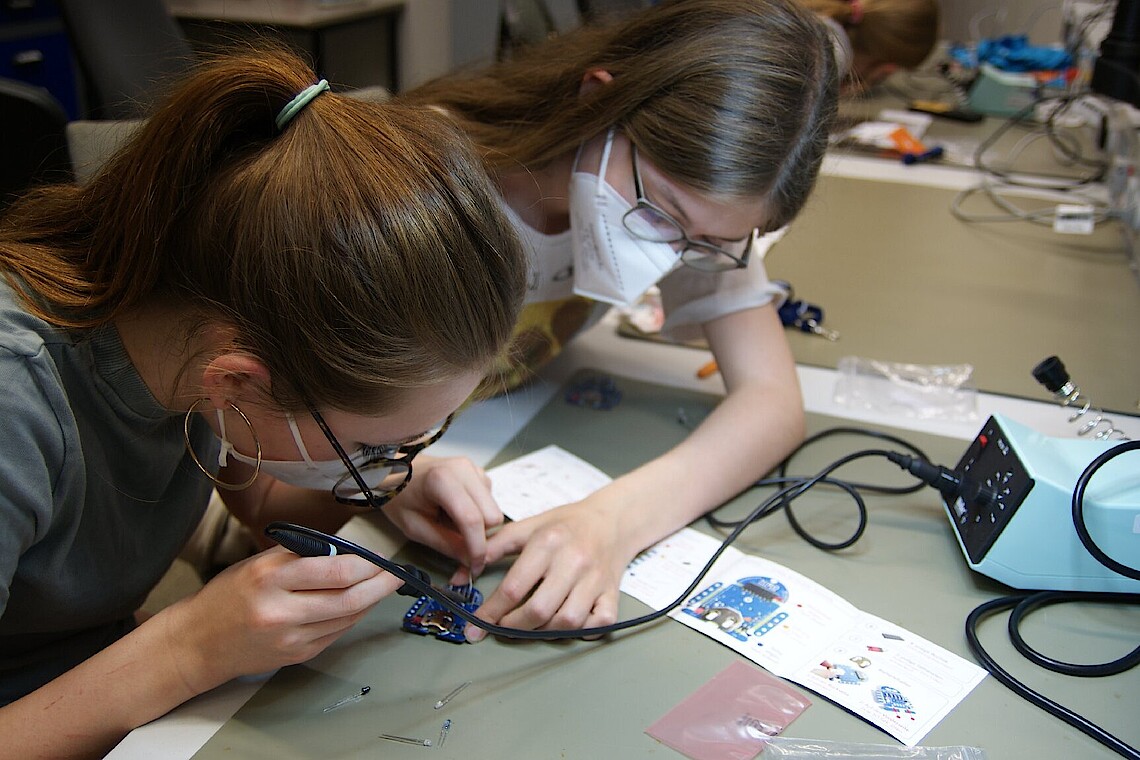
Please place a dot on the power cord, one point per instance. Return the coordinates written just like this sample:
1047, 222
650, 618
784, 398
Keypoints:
779, 477
1022, 604
1079, 510
309, 542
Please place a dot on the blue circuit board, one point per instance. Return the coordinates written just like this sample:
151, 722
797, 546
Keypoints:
428, 617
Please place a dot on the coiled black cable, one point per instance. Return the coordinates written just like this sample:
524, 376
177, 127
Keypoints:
779, 477
1022, 604
1079, 514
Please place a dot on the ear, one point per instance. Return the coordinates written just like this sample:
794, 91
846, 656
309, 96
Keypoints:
232, 376
593, 79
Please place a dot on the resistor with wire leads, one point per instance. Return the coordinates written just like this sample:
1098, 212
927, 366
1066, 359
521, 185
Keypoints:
1051, 374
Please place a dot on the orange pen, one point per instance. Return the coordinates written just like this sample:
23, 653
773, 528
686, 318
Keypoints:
905, 142
707, 369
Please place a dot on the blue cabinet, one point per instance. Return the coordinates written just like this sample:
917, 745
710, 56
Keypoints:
34, 48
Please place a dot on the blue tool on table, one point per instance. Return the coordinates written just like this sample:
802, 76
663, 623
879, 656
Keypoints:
803, 316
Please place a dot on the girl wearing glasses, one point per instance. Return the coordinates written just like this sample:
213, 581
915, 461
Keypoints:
657, 150
234, 301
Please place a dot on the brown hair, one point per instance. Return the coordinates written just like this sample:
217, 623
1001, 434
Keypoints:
731, 97
902, 32
357, 252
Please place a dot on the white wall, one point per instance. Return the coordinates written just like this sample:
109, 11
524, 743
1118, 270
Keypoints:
438, 36
962, 20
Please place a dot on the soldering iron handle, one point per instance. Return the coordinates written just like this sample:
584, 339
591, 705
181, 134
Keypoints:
307, 545
299, 543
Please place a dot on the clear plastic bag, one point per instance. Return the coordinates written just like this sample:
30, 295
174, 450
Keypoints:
920, 391
787, 748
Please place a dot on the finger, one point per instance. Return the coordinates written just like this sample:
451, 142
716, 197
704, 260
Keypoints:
435, 532
577, 607
462, 576
512, 590
458, 521
492, 513
491, 517
467, 502
314, 606
336, 572
510, 539
605, 612
317, 637
546, 606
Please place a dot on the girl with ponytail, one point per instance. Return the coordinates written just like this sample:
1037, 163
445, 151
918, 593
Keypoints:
272, 290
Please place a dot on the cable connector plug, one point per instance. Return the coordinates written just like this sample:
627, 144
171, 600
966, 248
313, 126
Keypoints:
947, 482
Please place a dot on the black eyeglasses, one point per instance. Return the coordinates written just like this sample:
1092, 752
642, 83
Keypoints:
382, 475
650, 222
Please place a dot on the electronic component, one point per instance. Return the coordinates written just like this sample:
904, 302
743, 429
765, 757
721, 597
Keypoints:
599, 393
428, 617
406, 740
349, 700
451, 694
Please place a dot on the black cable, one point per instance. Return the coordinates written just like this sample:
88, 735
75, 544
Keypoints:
309, 542
1040, 599
782, 468
951, 485
1082, 724
853, 489
1079, 514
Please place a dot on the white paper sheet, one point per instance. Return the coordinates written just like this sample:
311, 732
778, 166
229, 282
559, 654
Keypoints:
543, 480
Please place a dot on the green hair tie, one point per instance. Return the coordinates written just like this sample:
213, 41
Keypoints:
294, 106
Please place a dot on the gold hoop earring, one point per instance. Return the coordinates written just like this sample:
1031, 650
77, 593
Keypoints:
190, 449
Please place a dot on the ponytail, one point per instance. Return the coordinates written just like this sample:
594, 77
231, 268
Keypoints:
357, 250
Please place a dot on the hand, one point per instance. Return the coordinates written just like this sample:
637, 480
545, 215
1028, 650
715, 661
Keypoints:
448, 506
566, 576
270, 610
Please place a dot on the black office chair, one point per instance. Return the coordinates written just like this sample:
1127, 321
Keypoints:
127, 50
33, 139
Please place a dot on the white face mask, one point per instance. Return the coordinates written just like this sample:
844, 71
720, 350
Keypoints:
305, 473
610, 264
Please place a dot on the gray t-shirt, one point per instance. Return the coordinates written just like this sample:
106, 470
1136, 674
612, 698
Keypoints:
97, 494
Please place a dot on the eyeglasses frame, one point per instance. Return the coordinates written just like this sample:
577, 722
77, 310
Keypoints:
371, 499
643, 202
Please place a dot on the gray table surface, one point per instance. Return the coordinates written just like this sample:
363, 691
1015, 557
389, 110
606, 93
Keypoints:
903, 281
581, 699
